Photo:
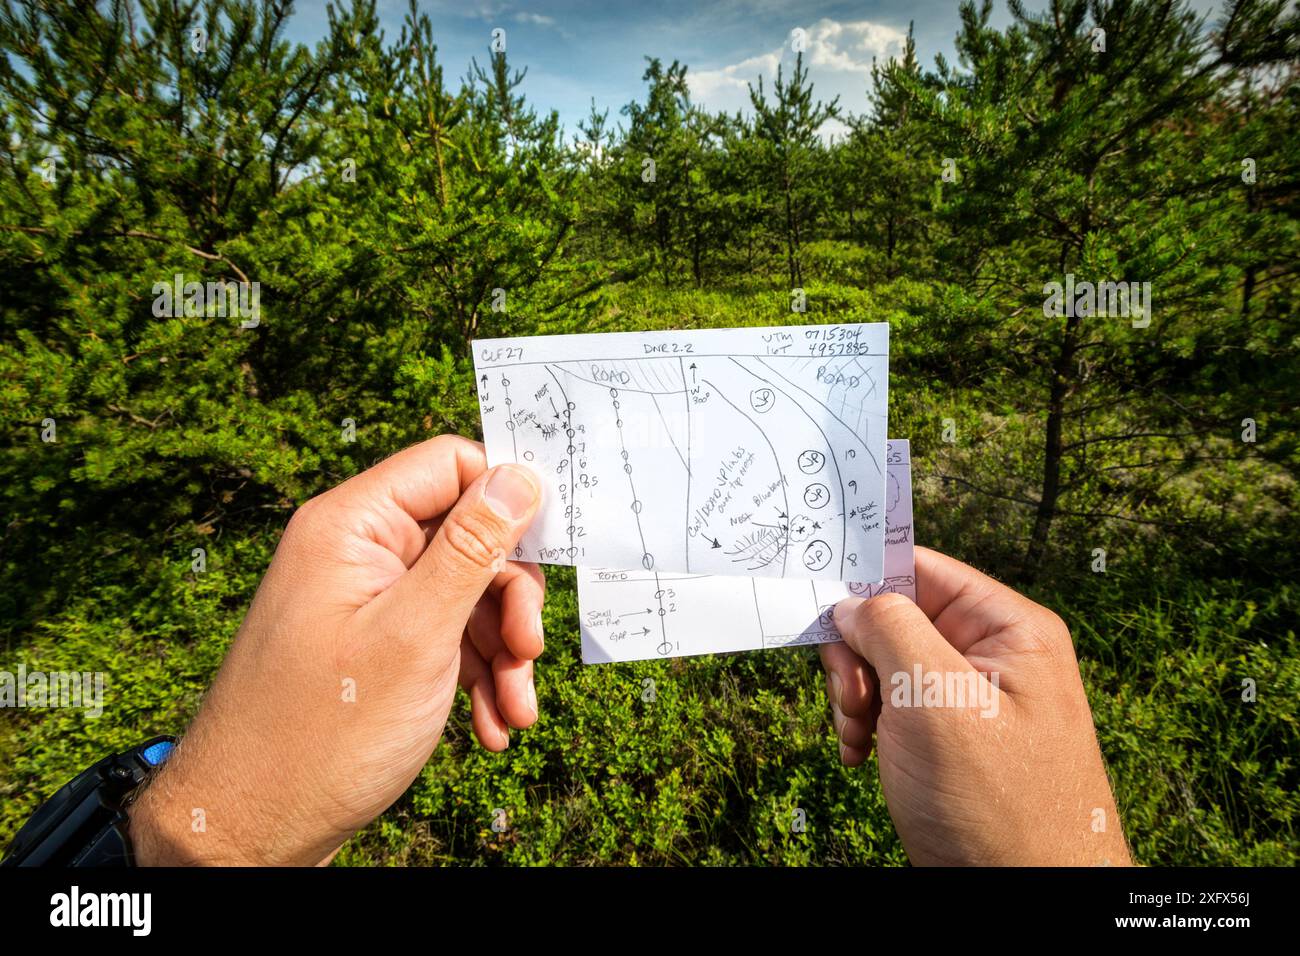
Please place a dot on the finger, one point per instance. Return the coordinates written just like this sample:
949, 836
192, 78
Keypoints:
395, 501
516, 693
485, 628
894, 636
423, 480
850, 755
965, 605
854, 757
516, 698
521, 589
848, 685
432, 602
489, 727
852, 732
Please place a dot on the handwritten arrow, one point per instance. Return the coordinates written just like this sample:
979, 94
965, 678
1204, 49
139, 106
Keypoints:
554, 409
692, 373
716, 543
635, 613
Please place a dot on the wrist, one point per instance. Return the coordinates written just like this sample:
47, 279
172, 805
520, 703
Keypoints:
167, 828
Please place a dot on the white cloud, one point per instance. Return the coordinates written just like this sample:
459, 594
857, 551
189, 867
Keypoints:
834, 129
709, 85
838, 56
537, 19
850, 47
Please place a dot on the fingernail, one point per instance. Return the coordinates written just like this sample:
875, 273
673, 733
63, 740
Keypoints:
844, 759
510, 492
837, 720
532, 698
541, 636
837, 690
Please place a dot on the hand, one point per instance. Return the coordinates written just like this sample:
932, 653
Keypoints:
1010, 775
339, 683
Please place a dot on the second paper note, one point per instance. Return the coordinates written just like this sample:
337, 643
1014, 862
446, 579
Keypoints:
641, 615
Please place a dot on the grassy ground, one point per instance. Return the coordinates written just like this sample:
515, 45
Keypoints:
713, 768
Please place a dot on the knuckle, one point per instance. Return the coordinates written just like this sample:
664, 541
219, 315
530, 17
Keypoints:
1049, 651
445, 443
1056, 624
473, 539
1053, 632
304, 517
450, 445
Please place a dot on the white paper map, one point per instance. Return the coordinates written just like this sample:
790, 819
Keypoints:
640, 615
723, 451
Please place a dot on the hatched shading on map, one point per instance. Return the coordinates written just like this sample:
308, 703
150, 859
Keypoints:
724, 451
639, 615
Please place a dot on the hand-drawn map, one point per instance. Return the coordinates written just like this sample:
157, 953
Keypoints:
724, 451
642, 615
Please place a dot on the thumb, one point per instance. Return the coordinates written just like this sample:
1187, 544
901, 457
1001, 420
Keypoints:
471, 546
894, 636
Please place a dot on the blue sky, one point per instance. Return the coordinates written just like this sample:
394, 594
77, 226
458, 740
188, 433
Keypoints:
578, 49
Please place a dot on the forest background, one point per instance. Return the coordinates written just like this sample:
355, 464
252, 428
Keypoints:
1137, 474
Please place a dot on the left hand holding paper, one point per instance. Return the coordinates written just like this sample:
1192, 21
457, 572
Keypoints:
340, 681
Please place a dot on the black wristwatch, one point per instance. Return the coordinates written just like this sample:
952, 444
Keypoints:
84, 823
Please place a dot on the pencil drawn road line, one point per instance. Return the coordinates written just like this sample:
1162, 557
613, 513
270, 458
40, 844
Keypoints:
862, 441
686, 394
776, 458
844, 533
